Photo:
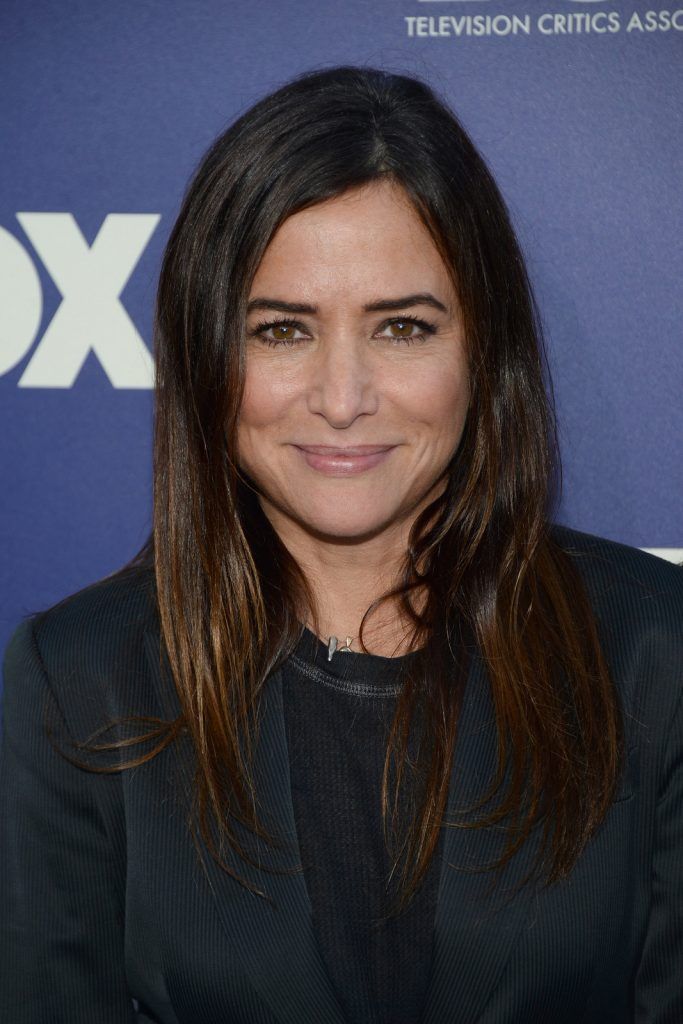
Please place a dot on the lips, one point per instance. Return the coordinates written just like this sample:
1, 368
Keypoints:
352, 460
358, 449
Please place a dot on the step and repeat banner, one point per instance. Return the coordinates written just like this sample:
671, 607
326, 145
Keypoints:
106, 109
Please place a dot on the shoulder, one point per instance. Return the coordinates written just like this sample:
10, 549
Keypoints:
116, 608
624, 578
87, 650
637, 600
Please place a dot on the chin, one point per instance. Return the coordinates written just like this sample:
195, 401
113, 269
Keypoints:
349, 527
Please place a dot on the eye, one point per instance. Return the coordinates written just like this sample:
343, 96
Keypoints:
283, 331
404, 326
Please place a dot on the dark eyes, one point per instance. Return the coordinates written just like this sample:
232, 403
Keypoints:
284, 331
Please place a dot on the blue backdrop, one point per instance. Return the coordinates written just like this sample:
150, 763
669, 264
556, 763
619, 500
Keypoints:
107, 107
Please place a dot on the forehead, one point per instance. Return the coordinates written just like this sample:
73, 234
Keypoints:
369, 240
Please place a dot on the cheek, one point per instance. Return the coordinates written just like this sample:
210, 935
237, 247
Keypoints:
438, 397
264, 418
255, 413
263, 402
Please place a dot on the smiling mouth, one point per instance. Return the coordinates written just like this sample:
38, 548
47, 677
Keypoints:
344, 462
359, 449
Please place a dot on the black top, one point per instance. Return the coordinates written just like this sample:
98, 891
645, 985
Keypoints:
337, 716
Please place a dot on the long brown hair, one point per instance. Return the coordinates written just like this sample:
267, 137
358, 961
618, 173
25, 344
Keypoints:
230, 594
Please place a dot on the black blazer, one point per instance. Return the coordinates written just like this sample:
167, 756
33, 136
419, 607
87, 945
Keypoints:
107, 917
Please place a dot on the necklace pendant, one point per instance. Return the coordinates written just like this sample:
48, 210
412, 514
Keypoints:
333, 646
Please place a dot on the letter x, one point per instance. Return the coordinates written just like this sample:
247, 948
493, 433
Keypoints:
90, 316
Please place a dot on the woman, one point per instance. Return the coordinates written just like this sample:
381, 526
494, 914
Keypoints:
359, 735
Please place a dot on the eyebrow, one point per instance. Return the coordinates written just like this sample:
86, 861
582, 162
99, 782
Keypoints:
418, 299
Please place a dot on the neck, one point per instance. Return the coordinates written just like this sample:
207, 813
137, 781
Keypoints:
345, 578
342, 602
346, 575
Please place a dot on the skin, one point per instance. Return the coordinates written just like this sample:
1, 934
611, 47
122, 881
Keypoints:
349, 377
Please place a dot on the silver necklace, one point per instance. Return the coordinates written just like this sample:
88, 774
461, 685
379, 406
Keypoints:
332, 646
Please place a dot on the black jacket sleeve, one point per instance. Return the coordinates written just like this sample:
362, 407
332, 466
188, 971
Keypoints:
659, 981
61, 919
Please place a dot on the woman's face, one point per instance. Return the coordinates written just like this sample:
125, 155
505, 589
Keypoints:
354, 338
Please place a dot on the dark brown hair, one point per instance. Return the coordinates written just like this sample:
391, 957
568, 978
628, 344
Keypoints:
230, 596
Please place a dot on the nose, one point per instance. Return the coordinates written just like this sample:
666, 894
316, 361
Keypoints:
342, 382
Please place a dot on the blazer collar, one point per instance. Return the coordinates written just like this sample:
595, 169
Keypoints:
474, 929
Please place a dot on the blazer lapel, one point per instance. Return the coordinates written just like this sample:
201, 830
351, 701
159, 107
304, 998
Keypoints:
476, 925
276, 942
